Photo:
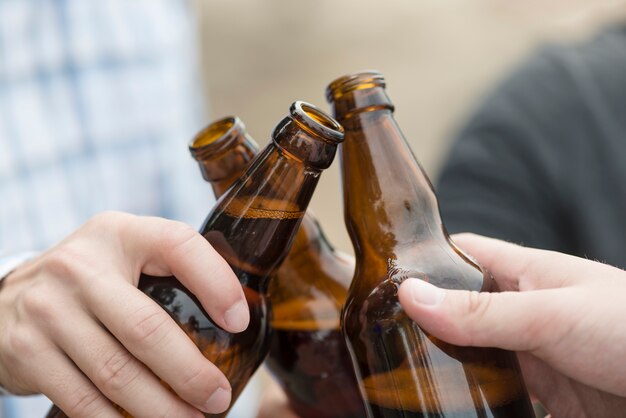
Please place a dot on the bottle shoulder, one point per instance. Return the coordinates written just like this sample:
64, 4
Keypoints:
309, 292
435, 260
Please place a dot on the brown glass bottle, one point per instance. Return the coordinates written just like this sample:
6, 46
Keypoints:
392, 216
308, 355
252, 227
223, 151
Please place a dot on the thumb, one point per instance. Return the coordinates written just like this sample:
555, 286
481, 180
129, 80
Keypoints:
509, 320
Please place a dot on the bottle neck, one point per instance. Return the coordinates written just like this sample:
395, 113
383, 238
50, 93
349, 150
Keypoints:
223, 172
389, 202
391, 210
221, 186
223, 150
221, 169
254, 223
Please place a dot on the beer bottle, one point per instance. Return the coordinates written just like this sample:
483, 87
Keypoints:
223, 151
393, 219
252, 227
308, 356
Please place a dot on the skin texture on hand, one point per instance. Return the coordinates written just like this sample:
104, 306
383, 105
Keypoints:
563, 315
74, 326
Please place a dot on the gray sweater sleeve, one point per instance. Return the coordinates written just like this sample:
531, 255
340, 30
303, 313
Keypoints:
542, 162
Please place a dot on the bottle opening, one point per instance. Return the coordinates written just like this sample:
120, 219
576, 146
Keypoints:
316, 121
216, 136
213, 132
357, 81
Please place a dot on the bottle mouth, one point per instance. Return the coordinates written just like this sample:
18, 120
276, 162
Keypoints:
317, 122
216, 136
358, 81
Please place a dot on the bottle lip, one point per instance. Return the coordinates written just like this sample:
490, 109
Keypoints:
361, 80
316, 121
216, 136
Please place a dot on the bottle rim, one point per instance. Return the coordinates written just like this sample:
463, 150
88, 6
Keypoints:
316, 121
361, 80
216, 136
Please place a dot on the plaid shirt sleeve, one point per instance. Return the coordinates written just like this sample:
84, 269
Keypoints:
97, 102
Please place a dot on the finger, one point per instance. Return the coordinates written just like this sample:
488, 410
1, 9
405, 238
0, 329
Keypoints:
69, 389
510, 320
519, 268
115, 372
165, 247
153, 337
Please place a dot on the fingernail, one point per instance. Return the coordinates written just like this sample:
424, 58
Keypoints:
424, 293
218, 402
237, 317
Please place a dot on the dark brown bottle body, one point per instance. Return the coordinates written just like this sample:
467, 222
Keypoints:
392, 217
252, 228
404, 372
308, 355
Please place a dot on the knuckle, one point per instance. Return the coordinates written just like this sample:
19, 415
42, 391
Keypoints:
59, 262
118, 371
179, 239
107, 219
197, 378
530, 272
478, 305
525, 278
108, 224
69, 264
37, 304
19, 343
194, 384
84, 403
150, 327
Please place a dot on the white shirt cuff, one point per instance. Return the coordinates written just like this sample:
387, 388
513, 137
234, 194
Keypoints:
11, 262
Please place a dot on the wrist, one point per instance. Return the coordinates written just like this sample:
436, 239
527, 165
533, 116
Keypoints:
7, 265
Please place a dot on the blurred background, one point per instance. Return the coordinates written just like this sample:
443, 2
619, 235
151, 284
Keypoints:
439, 58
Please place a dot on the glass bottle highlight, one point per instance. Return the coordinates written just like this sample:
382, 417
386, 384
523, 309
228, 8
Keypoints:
308, 355
392, 216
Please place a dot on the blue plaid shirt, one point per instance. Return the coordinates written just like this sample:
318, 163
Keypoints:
98, 100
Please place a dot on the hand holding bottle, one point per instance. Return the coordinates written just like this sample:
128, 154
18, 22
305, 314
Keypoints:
563, 314
74, 326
